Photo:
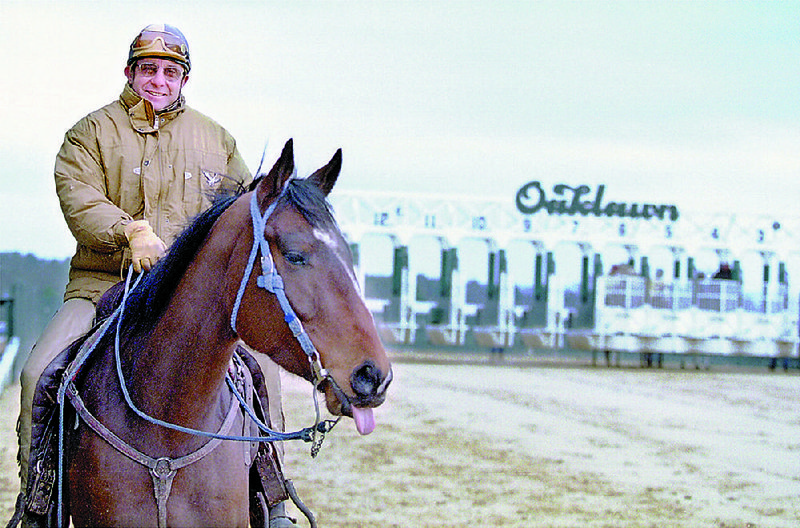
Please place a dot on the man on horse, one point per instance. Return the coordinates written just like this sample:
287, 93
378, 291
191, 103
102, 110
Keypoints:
129, 177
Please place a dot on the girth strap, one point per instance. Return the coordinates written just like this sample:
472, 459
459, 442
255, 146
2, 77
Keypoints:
162, 469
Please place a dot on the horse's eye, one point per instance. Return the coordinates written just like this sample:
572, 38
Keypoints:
295, 257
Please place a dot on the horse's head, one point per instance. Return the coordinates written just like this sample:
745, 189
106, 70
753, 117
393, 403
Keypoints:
314, 261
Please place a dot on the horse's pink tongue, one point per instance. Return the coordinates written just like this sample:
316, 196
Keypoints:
365, 421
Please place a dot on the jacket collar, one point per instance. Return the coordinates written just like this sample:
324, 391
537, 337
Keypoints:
141, 113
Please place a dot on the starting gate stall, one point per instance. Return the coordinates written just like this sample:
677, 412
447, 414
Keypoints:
496, 321
619, 312
399, 310
768, 333
447, 321
392, 297
665, 317
542, 319
710, 322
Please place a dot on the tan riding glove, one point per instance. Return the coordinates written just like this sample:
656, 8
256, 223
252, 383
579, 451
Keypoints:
146, 247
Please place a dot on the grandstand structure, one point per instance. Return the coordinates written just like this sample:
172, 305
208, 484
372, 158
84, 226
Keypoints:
567, 267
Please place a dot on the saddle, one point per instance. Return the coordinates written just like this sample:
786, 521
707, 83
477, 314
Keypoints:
38, 507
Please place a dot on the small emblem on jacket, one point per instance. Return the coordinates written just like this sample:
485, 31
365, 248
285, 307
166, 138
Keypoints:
187, 175
212, 178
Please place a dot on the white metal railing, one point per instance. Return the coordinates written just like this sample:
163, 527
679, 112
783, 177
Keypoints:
9, 355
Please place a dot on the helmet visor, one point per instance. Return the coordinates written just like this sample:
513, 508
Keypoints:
147, 40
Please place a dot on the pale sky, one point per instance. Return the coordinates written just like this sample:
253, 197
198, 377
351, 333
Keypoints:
692, 103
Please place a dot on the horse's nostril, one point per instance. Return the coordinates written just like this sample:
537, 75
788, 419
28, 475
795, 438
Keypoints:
365, 380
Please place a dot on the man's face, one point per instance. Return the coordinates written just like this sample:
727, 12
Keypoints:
157, 80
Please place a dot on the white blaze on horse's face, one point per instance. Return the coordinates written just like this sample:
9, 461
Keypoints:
334, 244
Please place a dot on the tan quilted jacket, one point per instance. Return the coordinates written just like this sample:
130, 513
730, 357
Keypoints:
122, 163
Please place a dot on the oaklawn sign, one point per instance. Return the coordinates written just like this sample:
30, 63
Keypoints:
571, 201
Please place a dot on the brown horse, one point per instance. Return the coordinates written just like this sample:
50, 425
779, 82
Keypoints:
176, 339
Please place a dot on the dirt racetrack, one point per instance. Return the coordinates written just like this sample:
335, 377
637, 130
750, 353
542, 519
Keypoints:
553, 446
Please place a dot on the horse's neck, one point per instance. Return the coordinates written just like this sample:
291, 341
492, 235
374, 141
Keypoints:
183, 361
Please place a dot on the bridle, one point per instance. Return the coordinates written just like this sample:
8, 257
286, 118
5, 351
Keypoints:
271, 281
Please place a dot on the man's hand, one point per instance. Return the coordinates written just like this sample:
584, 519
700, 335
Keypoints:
146, 247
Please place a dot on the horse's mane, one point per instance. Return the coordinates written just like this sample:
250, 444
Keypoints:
146, 303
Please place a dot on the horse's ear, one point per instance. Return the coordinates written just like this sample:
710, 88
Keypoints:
325, 178
271, 184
